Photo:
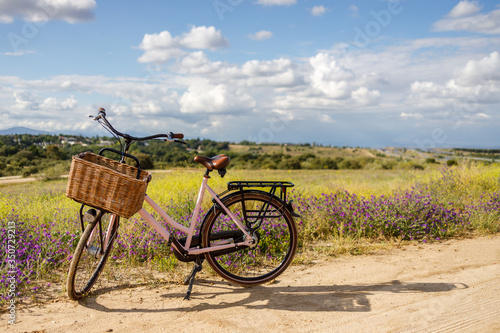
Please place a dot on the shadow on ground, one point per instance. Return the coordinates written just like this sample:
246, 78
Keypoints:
350, 298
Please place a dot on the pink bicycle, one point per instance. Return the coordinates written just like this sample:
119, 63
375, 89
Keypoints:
248, 236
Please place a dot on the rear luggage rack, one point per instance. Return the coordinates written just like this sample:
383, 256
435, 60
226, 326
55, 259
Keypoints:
274, 185
239, 184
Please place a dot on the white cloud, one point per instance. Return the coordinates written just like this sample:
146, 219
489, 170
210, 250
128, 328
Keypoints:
330, 77
426, 88
482, 115
25, 101
265, 67
261, 35
325, 85
198, 63
159, 48
274, 73
204, 38
51, 103
276, 2
202, 97
159, 56
159, 41
147, 100
46, 10
364, 96
466, 17
318, 10
263, 74
411, 115
482, 71
117, 90
474, 87
464, 8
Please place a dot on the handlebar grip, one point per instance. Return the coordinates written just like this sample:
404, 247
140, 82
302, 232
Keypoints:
102, 112
177, 136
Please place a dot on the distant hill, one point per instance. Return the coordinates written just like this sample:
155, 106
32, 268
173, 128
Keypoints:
22, 130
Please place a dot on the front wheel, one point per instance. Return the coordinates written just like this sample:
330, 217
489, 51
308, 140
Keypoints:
272, 227
91, 254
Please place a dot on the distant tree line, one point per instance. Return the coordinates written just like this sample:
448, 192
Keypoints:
481, 151
50, 155
34, 154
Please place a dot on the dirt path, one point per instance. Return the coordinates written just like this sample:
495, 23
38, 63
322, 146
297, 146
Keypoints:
447, 287
19, 179
16, 180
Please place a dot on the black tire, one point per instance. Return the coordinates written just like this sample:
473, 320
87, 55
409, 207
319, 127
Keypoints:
86, 267
276, 239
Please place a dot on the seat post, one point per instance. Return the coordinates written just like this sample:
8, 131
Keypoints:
207, 173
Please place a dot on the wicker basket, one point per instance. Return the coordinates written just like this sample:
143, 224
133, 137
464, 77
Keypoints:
106, 184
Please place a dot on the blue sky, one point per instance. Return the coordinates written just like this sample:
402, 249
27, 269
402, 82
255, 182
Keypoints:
374, 73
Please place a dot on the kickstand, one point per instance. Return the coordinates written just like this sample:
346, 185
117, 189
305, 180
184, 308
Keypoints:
190, 278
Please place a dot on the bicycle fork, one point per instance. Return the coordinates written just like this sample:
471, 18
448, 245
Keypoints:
97, 251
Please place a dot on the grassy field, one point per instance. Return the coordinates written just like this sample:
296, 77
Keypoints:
341, 211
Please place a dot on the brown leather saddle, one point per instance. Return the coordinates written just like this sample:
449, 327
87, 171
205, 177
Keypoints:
218, 162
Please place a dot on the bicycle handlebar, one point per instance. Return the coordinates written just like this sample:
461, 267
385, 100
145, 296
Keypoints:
168, 136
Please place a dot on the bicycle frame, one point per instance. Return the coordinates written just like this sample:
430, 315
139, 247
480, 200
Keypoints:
211, 241
190, 231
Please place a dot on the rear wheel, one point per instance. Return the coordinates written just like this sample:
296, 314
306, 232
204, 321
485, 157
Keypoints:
271, 226
91, 254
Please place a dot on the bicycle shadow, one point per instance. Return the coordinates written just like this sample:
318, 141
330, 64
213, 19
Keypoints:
329, 298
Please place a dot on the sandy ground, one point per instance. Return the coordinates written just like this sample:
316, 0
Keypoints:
446, 287
15, 180
10, 180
